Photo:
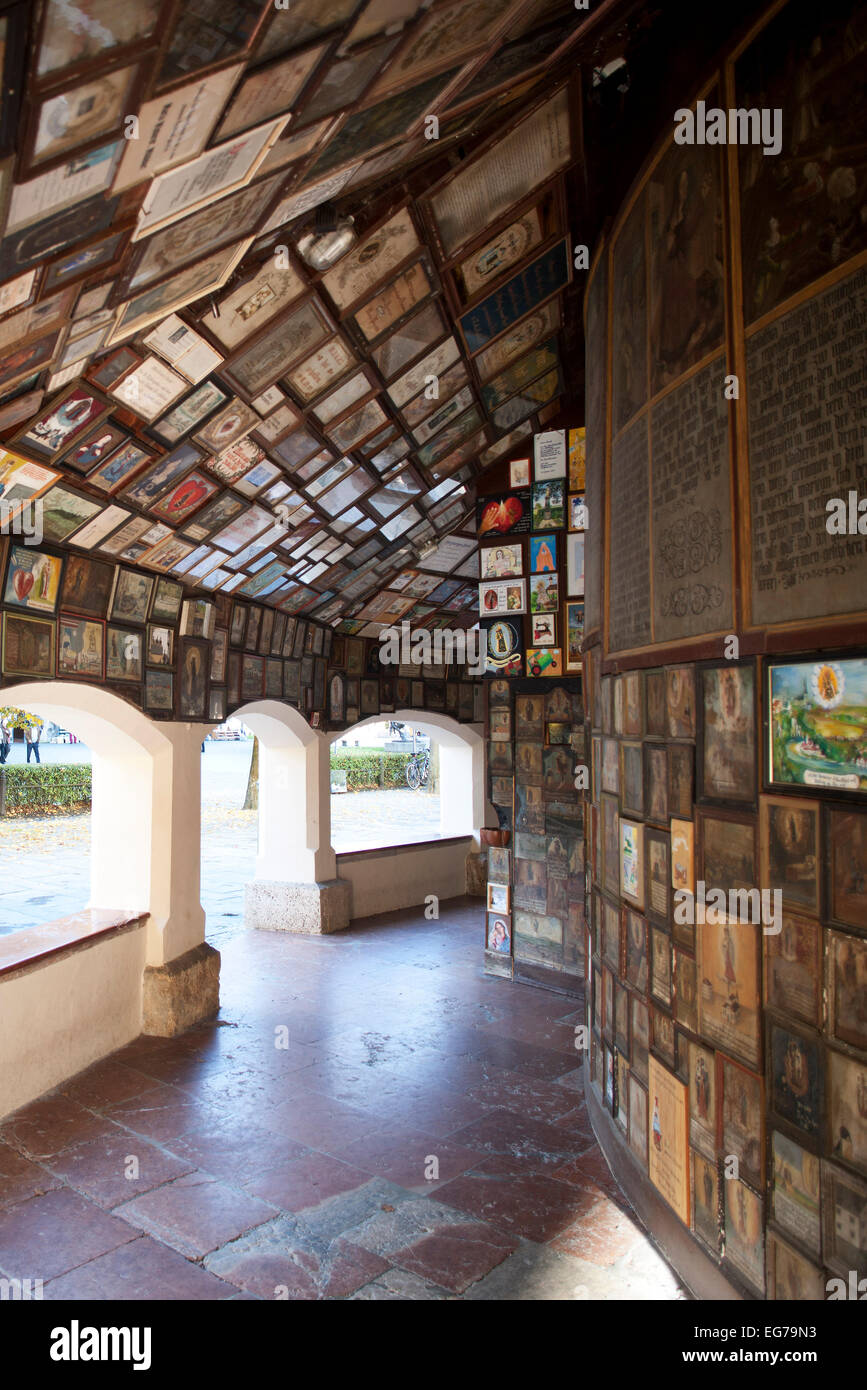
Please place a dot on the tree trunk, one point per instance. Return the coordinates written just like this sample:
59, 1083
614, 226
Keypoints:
433, 779
251, 800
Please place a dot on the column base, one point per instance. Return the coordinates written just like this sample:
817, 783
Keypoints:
180, 993
306, 909
477, 874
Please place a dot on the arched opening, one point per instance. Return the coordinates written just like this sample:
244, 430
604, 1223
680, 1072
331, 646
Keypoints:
403, 872
461, 782
123, 746
81, 985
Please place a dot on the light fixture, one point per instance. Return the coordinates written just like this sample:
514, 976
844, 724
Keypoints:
329, 238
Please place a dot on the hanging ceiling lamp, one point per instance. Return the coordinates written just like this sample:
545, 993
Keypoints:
329, 238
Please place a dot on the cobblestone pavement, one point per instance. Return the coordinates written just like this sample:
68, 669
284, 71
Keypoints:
45, 861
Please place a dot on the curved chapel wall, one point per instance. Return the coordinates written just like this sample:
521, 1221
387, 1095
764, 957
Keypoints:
744, 764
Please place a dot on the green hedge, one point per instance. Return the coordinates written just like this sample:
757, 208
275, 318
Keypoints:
371, 770
31, 790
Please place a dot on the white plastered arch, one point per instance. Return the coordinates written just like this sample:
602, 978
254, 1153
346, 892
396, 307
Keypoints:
146, 807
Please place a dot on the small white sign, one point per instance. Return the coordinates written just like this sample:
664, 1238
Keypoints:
550, 452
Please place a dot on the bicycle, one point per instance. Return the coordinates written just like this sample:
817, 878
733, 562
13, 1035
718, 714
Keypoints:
418, 770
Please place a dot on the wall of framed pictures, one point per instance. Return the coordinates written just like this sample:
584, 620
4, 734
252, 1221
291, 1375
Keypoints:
726, 677
179, 655
532, 525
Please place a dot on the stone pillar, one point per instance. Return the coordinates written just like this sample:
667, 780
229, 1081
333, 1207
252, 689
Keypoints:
296, 888
145, 839
182, 979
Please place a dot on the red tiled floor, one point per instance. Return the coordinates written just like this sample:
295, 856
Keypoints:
106, 1084
304, 1172
161, 1114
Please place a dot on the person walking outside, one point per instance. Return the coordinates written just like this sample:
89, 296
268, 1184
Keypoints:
5, 740
33, 734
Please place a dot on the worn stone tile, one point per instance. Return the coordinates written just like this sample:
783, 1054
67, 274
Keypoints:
55, 1232
534, 1206
99, 1169
195, 1214
307, 1181
276, 1263
602, 1234
406, 1157
457, 1255
161, 1114
105, 1084
49, 1125
402, 1286
234, 1151
142, 1270
320, 1122
21, 1178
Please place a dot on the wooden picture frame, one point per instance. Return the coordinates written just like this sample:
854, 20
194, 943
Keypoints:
727, 733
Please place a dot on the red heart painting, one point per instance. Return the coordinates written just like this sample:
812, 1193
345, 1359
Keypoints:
22, 583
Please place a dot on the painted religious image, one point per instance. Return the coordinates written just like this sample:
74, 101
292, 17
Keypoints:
728, 762
817, 725
667, 1147
796, 1079
728, 955
796, 1191
744, 1223
802, 213
686, 260
790, 849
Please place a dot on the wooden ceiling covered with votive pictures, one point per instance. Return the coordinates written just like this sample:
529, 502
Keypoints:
278, 282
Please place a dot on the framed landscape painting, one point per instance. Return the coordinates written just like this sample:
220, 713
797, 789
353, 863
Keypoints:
816, 726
